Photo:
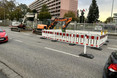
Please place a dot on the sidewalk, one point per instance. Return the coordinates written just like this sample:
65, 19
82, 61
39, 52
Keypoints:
7, 72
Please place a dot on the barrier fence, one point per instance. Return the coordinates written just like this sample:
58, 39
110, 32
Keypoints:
93, 39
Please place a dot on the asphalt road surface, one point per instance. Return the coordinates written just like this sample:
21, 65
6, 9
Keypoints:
33, 57
2, 75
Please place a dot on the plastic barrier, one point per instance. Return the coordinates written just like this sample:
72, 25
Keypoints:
74, 37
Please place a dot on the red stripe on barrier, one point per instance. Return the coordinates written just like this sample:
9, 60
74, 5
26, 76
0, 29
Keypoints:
76, 42
96, 45
97, 38
57, 33
92, 45
81, 43
70, 35
63, 34
82, 36
74, 35
87, 37
51, 32
64, 40
60, 33
87, 44
46, 32
102, 36
77, 35
92, 37
67, 34
67, 41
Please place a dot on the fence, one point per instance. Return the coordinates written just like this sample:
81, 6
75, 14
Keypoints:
111, 28
5, 23
93, 39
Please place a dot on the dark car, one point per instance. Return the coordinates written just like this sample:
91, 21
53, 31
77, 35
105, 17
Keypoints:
110, 69
3, 36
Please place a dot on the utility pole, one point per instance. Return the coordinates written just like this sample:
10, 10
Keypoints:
4, 11
112, 8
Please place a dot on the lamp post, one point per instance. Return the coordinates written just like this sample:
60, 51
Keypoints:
4, 11
112, 8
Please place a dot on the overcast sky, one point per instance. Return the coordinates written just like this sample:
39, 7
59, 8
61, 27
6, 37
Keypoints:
104, 6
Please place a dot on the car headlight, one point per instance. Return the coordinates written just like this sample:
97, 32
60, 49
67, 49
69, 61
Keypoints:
6, 35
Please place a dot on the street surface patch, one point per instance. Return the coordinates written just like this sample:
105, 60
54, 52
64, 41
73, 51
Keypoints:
62, 52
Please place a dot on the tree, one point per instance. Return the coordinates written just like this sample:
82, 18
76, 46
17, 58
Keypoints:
44, 8
109, 19
10, 10
44, 14
93, 14
34, 11
2, 13
8, 7
71, 14
24, 8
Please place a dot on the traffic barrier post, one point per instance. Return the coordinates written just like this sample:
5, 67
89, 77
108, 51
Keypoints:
84, 54
54, 38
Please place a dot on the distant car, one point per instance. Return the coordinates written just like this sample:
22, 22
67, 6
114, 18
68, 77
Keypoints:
98, 28
3, 36
110, 69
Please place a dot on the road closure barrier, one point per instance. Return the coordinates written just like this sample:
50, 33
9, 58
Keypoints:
93, 39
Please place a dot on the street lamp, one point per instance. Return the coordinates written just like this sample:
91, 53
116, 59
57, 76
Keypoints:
112, 8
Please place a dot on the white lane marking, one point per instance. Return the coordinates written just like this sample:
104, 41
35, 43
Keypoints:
26, 34
19, 41
62, 52
112, 48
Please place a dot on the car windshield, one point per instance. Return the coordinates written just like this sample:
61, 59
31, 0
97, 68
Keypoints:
1, 30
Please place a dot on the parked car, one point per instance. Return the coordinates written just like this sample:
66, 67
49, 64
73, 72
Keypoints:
3, 36
110, 69
98, 28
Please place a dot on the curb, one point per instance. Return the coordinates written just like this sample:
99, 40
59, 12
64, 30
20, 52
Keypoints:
9, 72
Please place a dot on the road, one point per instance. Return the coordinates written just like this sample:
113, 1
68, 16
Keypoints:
33, 57
2, 75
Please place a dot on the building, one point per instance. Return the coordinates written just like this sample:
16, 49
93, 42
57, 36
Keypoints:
115, 18
57, 8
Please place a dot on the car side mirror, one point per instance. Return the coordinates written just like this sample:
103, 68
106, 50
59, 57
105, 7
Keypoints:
3, 30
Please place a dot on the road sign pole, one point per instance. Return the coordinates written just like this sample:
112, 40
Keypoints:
84, 54
85, 46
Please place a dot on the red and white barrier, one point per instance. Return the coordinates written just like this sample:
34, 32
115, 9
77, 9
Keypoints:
92, 40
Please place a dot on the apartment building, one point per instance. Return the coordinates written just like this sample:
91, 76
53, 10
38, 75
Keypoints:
57, 8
